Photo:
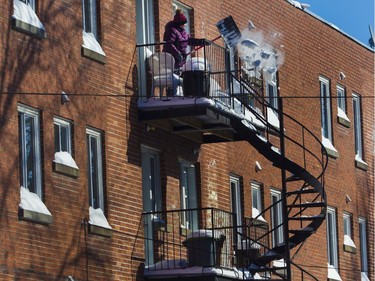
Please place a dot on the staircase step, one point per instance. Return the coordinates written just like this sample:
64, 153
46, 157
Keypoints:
303, 191
293, 178
308, 218
304, 231
308, 205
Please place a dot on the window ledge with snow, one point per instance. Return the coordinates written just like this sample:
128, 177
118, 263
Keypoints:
349, 245
91, 48
331, 150
31, 208
342, 118
359, 163
258, 218
344, 122
98, 223
65, 164
333, 275
364, 277
25, 20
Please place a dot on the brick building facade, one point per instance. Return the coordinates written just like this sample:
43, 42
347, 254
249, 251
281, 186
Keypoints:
123, 157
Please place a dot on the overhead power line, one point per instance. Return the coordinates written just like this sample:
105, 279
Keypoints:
115, 95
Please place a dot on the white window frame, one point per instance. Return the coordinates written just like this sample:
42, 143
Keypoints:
325, 108
188, 191
342, 116
31, 3
64, 140
347, 219
276, 218
145, 34
347, 227
89, 17
332, 249
95, 168
272, 91
236, 207
256, 200
341, 98
357, 118
151, 181
33, 144
363, 246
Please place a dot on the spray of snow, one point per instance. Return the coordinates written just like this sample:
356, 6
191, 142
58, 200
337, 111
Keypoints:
31, 202
259, 54
65, 158
97, 218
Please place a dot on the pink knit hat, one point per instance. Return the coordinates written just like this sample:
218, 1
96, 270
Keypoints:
179, 17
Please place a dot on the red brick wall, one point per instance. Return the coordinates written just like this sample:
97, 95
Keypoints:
29, 65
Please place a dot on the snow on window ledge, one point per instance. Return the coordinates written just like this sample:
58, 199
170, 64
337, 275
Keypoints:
333, 275
331, 150
98, 223
364, 277
359, 163
256, 215
342, 118
32, 208
92, 49
349, 245
272, 118
65, 164
25, 20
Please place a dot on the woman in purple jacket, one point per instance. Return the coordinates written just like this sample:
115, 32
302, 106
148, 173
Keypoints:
177, 39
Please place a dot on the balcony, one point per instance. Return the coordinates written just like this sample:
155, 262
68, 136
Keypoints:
201, 244
199, 100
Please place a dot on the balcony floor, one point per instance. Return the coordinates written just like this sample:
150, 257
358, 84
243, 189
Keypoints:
203, 120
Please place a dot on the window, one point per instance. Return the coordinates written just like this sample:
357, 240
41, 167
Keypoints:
348, 238
90, 22
357, 116
363, 248
342, 118
152, 197
272, 91
91, 36
325, 105
332, 238
235, 191
347, 225
188, 187
152, 193
276, 218
326, 117
30, 152
341, 98
25, 19
95, 168
62, 130
256, 198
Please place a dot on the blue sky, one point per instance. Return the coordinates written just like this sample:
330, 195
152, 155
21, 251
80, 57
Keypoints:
351, 16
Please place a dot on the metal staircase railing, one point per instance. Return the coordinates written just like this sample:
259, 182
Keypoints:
304, 199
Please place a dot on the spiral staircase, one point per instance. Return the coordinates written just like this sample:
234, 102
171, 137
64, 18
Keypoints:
304, 200
291, 147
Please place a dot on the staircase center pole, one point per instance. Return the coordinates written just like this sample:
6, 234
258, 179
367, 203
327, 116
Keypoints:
284, 192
